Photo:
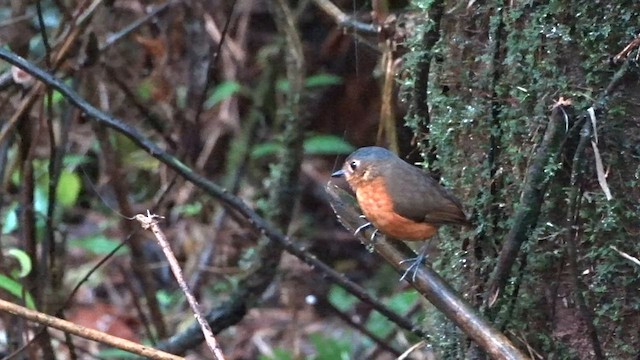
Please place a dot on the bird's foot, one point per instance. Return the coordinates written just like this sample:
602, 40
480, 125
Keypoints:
415, 264
364, 226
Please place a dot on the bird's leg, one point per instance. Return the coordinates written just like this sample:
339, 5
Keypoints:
415, 262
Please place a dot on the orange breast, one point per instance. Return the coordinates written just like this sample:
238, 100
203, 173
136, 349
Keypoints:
378, 208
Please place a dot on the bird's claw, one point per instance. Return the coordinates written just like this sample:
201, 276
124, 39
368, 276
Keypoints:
373, 235
413, 268
362, 227
415, 265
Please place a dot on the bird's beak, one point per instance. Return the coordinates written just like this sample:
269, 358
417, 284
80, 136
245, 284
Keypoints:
339, 173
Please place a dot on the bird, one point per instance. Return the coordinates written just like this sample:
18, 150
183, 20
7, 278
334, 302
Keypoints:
399, 199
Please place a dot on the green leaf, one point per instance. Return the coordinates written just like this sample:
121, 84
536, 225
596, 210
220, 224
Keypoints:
222, 92
141, 160
282, 85
278, 354
74, 160
190, 209
264, 149
50, 16
98, 244
23, 259
314, 145
401, 303
327, 145
16, 289
341, 299
10, 221
320, 80
69, 186
314, 81
40, 199
144, 89
56, 97
166, 298
329, 348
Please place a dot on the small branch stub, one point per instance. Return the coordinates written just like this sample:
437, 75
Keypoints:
146, 221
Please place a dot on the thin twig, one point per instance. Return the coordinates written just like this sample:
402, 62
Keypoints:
150, 222
416, 346
357, 325
626, 256
90, 272
112, 162
85, 332
345, 20
15, 20
213, 61
43, 33
115, 37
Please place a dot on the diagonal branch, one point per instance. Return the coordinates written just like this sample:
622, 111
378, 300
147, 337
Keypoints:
429, 284
87, 333
227, 199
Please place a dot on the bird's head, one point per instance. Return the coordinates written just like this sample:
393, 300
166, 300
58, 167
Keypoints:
364, 164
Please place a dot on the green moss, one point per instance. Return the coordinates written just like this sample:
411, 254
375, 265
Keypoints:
489, 103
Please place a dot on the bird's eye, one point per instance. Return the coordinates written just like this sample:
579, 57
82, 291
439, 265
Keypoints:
353, 165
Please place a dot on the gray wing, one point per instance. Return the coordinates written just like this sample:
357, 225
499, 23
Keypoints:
417, 196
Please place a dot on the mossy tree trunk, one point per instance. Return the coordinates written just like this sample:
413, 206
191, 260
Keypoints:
504, 65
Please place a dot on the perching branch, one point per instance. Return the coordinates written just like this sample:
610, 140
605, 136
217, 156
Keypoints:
427, 282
